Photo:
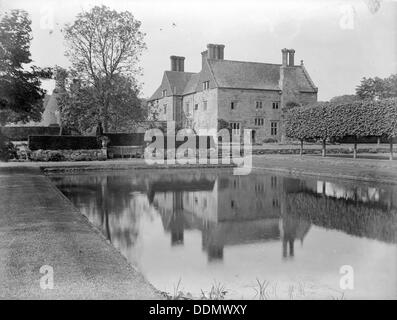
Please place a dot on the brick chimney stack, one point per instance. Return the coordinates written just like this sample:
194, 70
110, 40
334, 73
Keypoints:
204, 56
291, 61
215, 51
284, 53
288, 57
177, 63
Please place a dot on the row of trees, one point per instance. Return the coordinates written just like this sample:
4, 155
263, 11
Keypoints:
364, 118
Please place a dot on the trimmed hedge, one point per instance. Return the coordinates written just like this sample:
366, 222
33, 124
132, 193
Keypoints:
125, 139
23, 133
358, 119
63, 143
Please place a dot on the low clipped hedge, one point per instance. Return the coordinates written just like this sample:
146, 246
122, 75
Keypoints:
64, 143
125, 139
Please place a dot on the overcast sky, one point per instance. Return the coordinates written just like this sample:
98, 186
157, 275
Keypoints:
339, 41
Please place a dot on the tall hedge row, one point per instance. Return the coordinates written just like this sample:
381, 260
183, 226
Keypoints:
358, 119
63, 143
23, 133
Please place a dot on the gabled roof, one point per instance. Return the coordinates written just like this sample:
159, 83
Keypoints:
178, 80
174, 82
192, 84
247, 75
235, 75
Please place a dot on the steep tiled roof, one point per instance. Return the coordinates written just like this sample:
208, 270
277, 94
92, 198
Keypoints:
247, 75
307, 83
156, 94
178, 80
235, 74
192, 84
174, 82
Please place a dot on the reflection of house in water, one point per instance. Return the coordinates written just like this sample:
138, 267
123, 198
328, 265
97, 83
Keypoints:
229, 210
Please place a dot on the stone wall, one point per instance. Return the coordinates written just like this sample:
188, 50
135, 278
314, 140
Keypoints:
69, 155
245, 110
201, 118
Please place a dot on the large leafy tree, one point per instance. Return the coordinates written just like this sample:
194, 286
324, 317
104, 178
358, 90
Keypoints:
80, 105
377, 88
21, 97
104, 47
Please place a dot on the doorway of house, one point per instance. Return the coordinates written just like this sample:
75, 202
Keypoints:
253, 134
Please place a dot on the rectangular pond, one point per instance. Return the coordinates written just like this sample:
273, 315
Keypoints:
261, 236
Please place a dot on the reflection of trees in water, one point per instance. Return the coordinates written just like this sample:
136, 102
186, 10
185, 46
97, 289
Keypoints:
107, 203
292, 229
115, 204
353, 217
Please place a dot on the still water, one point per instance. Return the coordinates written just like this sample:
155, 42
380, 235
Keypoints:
288, 236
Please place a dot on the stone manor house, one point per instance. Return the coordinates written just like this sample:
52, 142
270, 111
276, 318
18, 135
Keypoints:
243, 95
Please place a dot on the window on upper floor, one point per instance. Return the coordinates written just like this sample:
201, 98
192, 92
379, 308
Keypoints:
275, 105
206, 85
165, 109
205, 105
187, 107
258, 105
196, 106
233, 105
164, 93
259, 121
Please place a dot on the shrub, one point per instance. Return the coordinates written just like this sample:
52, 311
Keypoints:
223, 124
7, 149
270, 140
56, 157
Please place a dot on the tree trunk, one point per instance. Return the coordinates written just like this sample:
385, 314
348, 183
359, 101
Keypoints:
105, 118
391, 149
355, 150
324, 151
378, 141
301, 150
